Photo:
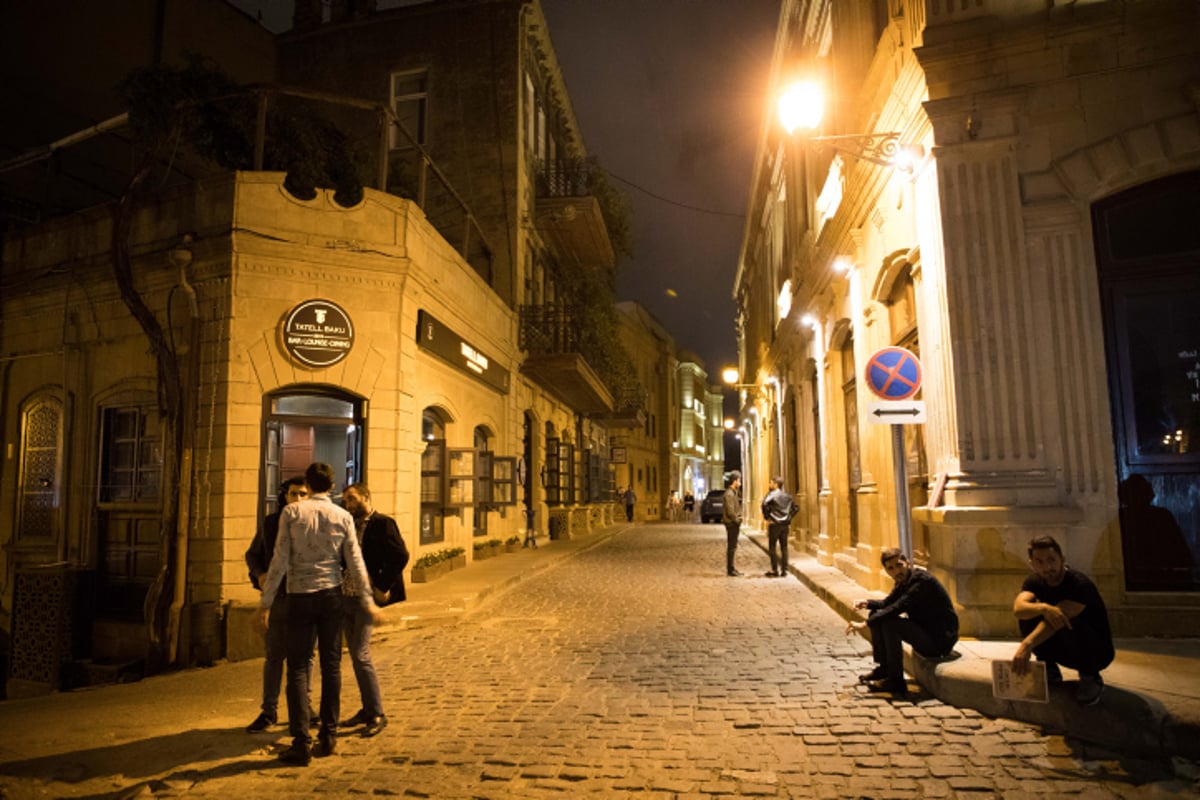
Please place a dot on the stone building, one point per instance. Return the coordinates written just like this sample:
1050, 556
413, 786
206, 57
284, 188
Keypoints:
698, 449
1012, 198
420, 338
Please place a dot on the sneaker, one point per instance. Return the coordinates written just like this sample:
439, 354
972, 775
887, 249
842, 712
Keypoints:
297, 754
733, 573
260, 724
1053, 673
1090, 688
898, 688
771, 574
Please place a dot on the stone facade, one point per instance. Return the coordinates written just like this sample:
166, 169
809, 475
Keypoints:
985, 259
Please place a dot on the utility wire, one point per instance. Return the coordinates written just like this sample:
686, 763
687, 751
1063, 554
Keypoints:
659, 197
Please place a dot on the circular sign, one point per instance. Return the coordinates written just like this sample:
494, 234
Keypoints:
893, 373
317, 333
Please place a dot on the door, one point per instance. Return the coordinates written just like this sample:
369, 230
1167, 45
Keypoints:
1148, 256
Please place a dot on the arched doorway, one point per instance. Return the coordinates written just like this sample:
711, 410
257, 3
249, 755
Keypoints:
1148, 257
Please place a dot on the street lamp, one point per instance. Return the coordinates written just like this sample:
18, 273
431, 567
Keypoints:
801, 107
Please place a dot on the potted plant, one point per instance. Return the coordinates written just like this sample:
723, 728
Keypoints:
483, 550
430, 566
457, 557
512, 544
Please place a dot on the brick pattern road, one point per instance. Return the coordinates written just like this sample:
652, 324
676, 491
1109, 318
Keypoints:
637, 669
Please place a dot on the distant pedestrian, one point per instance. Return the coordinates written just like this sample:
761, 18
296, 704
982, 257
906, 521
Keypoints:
674, 506
1064, 621
778, 508
258, 559
630, 500
689, 504
385, 556
731, 515
918, 611
316, 538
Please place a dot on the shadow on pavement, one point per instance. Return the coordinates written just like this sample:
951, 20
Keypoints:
144, 758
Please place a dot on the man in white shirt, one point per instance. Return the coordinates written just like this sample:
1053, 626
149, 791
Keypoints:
315, 539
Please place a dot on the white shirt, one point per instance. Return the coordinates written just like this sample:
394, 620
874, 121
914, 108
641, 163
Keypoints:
315, 538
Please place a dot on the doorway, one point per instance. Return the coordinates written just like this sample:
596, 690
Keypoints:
303, 425
1148, 257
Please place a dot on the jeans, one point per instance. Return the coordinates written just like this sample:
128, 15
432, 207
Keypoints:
358, 641
316, 614
777, 534
888, 635
629, 513
732, 531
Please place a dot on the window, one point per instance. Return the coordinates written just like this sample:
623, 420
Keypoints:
39, 502
132, 461
410, 101
433, 485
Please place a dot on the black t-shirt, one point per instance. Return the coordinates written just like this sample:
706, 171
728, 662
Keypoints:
1077, 587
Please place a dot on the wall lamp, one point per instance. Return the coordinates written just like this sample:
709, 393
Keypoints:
801, 107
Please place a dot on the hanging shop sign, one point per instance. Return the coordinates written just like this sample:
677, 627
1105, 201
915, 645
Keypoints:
441, 341
317, 333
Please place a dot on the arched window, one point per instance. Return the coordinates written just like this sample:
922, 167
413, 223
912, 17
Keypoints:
39, 492
433, 482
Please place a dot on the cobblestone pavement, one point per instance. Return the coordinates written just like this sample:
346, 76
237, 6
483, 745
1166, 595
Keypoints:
637, 669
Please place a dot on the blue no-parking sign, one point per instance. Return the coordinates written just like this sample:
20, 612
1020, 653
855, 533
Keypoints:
893, 373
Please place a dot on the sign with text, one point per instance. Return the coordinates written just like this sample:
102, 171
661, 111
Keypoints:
317, 333
456, 351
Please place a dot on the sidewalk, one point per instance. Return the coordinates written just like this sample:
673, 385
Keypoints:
1151, 700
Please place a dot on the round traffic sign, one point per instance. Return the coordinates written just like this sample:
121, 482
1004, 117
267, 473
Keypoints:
893, 373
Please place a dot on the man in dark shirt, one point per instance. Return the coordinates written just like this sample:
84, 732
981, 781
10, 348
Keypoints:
731, 516
1064, 621
917, 611
778, 508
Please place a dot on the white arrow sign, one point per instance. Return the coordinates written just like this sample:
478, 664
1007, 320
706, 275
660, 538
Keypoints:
896, 412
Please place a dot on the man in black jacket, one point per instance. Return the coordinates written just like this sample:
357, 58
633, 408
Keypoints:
258, 559
386, 557
917, 611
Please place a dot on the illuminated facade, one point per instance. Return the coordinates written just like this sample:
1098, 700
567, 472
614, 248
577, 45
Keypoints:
1023, 256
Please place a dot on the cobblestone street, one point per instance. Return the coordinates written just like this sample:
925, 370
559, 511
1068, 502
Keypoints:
636, 668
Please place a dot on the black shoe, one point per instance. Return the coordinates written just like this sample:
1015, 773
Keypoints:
360, 718
260, 724
771, 574
733, 573
1053, 673
297, 754
896, 687
1090, 689
326, 744
374, 726
876, 674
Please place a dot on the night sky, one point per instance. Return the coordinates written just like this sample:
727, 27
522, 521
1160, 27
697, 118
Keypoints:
669, 95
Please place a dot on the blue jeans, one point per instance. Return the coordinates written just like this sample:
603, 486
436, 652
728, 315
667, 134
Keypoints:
319, 615
358, 641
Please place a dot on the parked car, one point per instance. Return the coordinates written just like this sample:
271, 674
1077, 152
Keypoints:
712, 506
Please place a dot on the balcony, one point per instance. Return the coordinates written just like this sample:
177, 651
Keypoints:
568, 217
550, 336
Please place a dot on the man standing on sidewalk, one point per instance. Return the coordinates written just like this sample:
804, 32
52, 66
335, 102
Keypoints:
778, 508
918, 611
1064, 621
630, 499
316, 538
386, 557
731, 516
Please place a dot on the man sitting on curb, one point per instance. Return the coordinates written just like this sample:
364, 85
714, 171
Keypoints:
918, 611
1064, 621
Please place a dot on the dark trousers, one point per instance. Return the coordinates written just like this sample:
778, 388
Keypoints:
629, 513
1078, 647
888, 635
732, 531
777, 534
319, 615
